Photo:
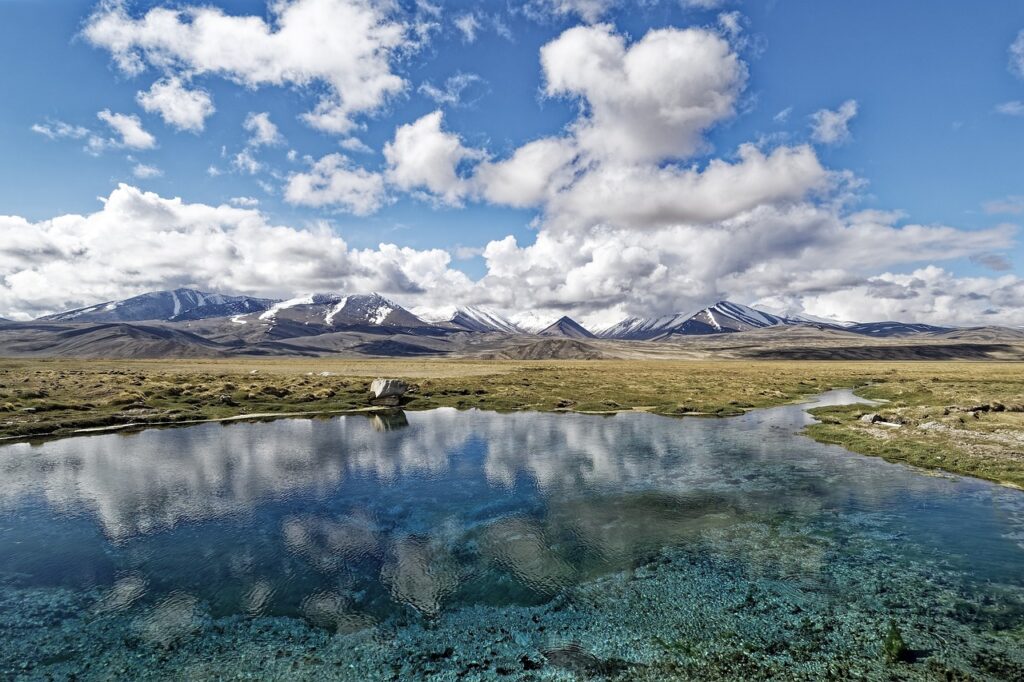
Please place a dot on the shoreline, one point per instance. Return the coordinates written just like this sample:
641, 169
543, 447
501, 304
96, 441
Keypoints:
962, 418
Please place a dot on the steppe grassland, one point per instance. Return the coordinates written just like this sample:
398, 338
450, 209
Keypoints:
965, 417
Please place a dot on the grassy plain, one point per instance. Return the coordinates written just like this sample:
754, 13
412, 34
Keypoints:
964, 417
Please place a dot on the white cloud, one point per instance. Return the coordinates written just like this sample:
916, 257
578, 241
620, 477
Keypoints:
128, 128
530, 177
452, 92
648, 101
1012, 205
244, 202
245, 162
819, 261
468, 25
643, 196
334, 181
626, 225
931, 295
1017, 55
833, 127
59, 129
587, 10
783, 116
145, 171
354, 144
1011, 108
177, 105
262, 130
702, 4
139, 241
423, 157
731, 23
800, 252
347, 45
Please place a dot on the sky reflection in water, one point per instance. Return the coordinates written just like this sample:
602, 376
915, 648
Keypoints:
349, 521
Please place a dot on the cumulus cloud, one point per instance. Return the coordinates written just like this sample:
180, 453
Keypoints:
145, 171
642, 196
262, 131
139, 241
647, 101
825, 263
627, 224
177, 105
833, 127
423, 156
129, 131
531, 176
345, 45
931, 295
335, 181
799, 251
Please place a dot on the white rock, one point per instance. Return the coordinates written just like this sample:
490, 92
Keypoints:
383, 388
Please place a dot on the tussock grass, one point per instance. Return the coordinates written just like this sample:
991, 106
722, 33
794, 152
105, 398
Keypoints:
965, 417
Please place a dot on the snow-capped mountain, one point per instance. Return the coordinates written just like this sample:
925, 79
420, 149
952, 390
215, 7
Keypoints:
173, 306
566, 327
337, 311
722, 317
798, 316
469, 318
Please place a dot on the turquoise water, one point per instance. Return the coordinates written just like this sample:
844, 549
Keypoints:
478, 545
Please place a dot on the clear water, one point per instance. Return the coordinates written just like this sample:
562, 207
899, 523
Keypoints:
478, 545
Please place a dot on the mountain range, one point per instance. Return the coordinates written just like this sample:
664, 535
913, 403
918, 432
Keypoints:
327, 312
187, 322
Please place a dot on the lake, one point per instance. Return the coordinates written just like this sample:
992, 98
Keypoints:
480, 545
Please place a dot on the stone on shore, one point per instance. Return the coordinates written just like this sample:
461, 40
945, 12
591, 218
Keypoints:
386, 388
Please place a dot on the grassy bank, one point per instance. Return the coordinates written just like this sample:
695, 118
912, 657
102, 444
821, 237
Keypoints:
959, 416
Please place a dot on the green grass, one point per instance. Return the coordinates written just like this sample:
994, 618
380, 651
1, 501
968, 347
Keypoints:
52, 398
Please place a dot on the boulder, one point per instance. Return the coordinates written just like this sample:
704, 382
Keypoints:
871, 418
386, 388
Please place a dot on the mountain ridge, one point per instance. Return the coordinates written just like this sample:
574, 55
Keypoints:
328, 312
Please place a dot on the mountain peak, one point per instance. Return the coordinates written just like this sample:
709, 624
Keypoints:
566, 327
337, 310
469, 318
171, 305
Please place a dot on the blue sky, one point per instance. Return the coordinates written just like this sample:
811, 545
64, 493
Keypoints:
927, 139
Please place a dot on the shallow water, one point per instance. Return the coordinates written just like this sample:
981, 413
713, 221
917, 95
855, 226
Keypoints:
481, 545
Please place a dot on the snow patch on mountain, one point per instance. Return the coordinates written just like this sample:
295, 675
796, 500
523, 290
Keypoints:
469, 318
271, 314
173, 306
329, 319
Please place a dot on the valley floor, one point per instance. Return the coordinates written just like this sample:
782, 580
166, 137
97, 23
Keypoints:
961, 417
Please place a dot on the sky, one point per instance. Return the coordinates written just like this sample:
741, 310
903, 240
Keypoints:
596, 158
